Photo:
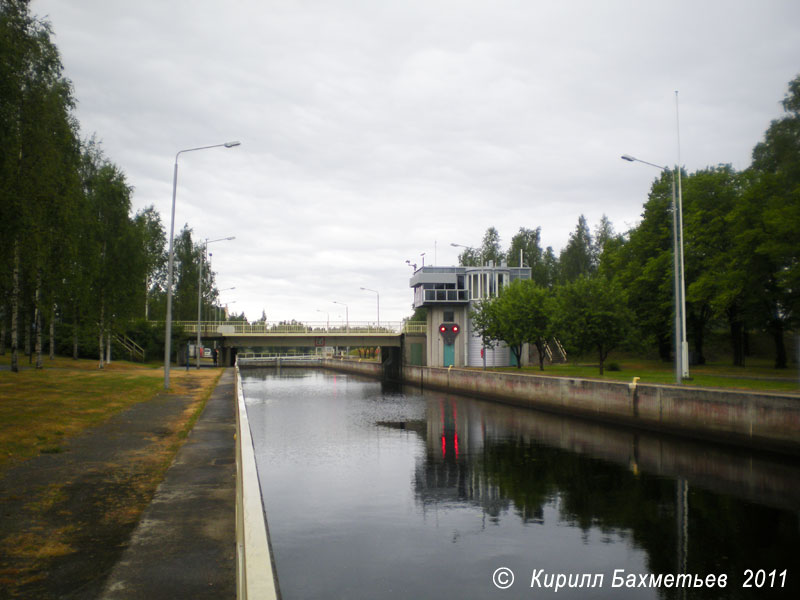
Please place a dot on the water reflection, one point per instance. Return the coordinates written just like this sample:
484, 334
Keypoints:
693, 508
492, 485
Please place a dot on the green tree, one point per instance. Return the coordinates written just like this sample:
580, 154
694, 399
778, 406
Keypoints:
486, 322
591, 315
772, 302
120, 262
153, 236
186, 276
716, 279
604, 239
776, 188
490, 247
520, 315
470, 257
643, 267
548, 275
489, 250
525, 243
577, 258
543, 264
37, 135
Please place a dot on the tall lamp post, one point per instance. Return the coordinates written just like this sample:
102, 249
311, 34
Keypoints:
681, 345
379, 303
168, 333
346, 313
216, 312
328, 322
200, 291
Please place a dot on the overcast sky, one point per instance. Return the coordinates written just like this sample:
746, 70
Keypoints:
374, 131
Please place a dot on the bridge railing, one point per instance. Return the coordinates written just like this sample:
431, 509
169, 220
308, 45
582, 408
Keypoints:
276, 356
415, 327
312, 327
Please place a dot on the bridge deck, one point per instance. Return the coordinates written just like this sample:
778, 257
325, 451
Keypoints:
232, 334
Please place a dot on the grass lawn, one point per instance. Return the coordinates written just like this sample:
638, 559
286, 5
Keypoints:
72, 516
39, 408
757, 376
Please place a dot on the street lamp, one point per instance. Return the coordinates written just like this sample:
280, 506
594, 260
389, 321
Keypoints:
168, 333
200, 290
681, 345
379, 303
346, 312
475, 250
226, 309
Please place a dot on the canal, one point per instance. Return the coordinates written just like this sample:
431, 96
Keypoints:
378, 491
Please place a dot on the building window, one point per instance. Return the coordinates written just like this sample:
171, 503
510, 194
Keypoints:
449, 316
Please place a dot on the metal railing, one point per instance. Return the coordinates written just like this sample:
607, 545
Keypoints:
311, 327
415, 327
265, 356
134, 349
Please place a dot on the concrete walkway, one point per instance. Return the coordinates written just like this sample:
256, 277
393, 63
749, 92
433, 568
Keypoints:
185, 543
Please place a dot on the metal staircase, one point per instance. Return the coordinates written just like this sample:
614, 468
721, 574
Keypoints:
135, 351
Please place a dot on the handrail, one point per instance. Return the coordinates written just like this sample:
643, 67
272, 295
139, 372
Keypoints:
415, 327
132, 347
312, 327
276, 356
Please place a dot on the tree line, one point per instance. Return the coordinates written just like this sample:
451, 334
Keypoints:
75, 262
741, 239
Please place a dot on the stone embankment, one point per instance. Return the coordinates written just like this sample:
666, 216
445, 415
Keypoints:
754, 419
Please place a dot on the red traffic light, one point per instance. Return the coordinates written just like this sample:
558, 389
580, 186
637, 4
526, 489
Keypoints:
455, 328
442, 328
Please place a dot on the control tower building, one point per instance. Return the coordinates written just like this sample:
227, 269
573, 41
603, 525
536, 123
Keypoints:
448, 294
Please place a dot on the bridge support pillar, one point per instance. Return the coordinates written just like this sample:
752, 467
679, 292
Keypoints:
228, 356
391, 363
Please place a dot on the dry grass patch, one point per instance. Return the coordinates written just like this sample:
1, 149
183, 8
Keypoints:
41, 408
98, 506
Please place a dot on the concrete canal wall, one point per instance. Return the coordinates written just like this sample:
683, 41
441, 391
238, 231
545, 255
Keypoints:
761, 420
255, 577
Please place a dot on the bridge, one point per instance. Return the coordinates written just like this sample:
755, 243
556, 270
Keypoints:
236, 335
240, 334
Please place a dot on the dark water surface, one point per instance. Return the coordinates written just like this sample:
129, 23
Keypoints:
373, 491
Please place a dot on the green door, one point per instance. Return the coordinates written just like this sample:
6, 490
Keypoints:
416, 354
449, 355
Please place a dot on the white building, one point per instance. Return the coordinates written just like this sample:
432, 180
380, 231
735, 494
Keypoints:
449, 293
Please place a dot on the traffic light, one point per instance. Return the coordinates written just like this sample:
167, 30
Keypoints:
449, 331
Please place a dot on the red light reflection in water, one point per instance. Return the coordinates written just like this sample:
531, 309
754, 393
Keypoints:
442, 422
455, 430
